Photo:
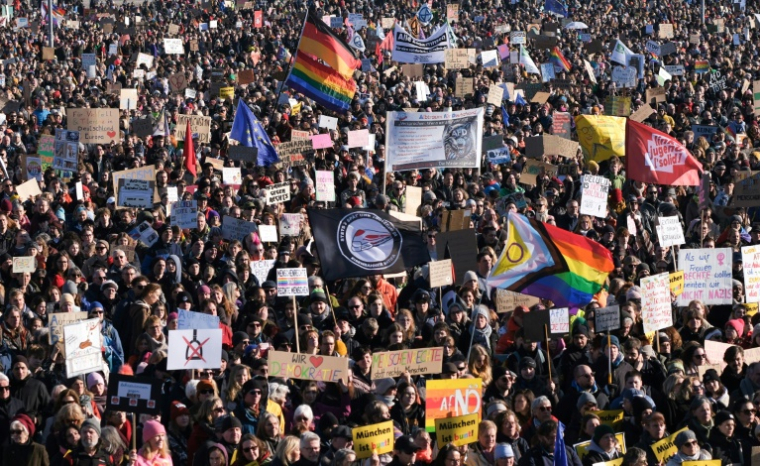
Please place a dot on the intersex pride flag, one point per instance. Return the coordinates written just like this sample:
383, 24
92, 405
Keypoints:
654, 157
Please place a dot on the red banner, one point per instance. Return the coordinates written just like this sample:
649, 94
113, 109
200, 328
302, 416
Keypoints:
654, 157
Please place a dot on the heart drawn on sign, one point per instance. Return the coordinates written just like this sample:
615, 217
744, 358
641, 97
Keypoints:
111, 133
316, 360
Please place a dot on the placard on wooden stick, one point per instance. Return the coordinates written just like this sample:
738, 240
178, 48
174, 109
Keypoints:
440, 273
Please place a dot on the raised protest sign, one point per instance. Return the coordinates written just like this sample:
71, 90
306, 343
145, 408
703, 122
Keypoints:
307, 367
147, 173
290, 224
612, 418
277, 193
751, 267
185, 214
582, 448
440, 273
173, 47
707, 276
655, 302
459, 430
562, 125
260, 269
58, 320
95, 125
533, 169
607, 319
451, 398
24, 264
28, 189
413, 199
666, 448
374, 439
677, 282
235, 228
670, 232
463, 249
507, 301
559, 321
195, 349
595, 190
292, 282
242, 153
134, 394
83, 343
325, 185
199, 125
136, 193
189, 320
415, 361
747, 192
268, 233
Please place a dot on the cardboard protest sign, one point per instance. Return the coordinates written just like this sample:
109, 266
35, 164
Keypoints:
670, 231
184, 214
747, 192
147, 173
440, 273
507, 301
536, 147
28, 189
189, 320
607, 318
307, 366
373, 439
595, 190
200, 125
612, 418
458, 430
707, 275
195, 349
655, 302
457, 59
415, 361
60, 319
642, 113
413, 199
82, 342
133, 394
462, 249
292, 282
95, 125
451, 398
136, 193
656, 95
277, 193
24, 264
533, 169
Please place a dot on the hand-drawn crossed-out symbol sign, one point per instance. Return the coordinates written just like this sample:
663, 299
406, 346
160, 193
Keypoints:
194, 349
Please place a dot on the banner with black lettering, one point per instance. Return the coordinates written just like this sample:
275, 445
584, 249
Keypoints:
407, 49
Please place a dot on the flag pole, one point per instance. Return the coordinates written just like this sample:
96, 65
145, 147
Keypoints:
293, 55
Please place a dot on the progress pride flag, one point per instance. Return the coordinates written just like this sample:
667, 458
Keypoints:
654, 157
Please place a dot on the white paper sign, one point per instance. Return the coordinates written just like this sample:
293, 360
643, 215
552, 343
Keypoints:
83, 343
595, 190
751, 267
607, 318
707, 276
195, 349
185, 214
173, 47
260, 269
290, 224
232, 176
268, 233
559, 321
670, 232
655, 302
189, 320
328, 122
292, 282
325, 185
23, 264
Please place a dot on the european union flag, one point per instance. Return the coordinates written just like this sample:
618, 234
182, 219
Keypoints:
560, 454
249, 132
504, 116
519, 100
556, 7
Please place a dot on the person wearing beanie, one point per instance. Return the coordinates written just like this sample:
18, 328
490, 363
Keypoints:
29, 390
229, 431
620, 367
733, 332
500, 387
90, 450
688, 449
155, 449
250, 405
485, 335
21, 449
725, 445
584, 386
178, 432
577, 353
604, 446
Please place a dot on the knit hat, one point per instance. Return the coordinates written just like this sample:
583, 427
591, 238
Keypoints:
93, 424
20, 358
614, 341
684, 437
239, 336
151, 429
469, 276
602, 430
736, 324
722, 417
503, 450
585, 397
481, 310
318, 295
26, 421
178, 409
527, 362
499, 372
94, 379
383, 385
640, 403
231, 422
675, 366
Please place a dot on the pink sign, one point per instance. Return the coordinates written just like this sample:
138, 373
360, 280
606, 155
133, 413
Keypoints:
359, 138
321, 141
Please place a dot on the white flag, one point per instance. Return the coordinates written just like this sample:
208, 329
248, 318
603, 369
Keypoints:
527, 62
621, 54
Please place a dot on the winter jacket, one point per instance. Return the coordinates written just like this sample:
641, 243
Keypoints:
679, 458
595, 454
29, 454
537, 456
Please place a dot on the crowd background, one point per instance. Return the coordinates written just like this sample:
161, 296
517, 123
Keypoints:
238, 414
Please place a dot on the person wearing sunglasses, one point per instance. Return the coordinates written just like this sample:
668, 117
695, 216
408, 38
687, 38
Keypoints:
688, 449
249, 407
541, 411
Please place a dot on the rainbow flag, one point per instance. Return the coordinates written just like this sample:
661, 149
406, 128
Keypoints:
321, 83
559, 60
548, 262
701, 66
318, 40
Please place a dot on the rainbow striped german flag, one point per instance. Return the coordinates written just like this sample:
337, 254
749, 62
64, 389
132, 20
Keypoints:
318, 40
558, 59
551, 263
321, 83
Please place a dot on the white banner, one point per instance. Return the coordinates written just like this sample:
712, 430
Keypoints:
656, 310
425, 140
174, 47
707, 276
670, 232
594, 196
195, 349
407, 49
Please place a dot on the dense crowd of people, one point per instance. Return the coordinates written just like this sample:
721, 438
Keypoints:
87, 259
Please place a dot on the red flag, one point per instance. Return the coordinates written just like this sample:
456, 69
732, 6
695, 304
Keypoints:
258, 19
190, 160
654, 157
386, 44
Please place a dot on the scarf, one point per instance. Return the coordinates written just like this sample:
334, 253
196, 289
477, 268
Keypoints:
482, 336
592, 390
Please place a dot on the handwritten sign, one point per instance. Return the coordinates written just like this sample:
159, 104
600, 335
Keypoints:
459, 430
374, 439
670, 232
24, 264
612, 418
707, 276
307, 366
277, 193
95, 125
58, 320
415, 361
292, 282
199, 125
607, 318
594, 195
82, 343
507, 301
655, 302
235, 228
559, 321
751, 266
198, 320
451, 398
358, 138
147, 173
325, 185
440, 273
195, 349
677, 282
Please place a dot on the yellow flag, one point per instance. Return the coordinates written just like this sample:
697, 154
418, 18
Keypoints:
601, 137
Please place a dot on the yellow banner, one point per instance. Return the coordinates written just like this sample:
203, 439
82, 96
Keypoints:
460, 430
677, 282
612, 418
666, 448
601, 137
702, 463
375, 438
582, 448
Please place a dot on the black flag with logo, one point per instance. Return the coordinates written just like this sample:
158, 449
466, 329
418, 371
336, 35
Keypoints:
362, 242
